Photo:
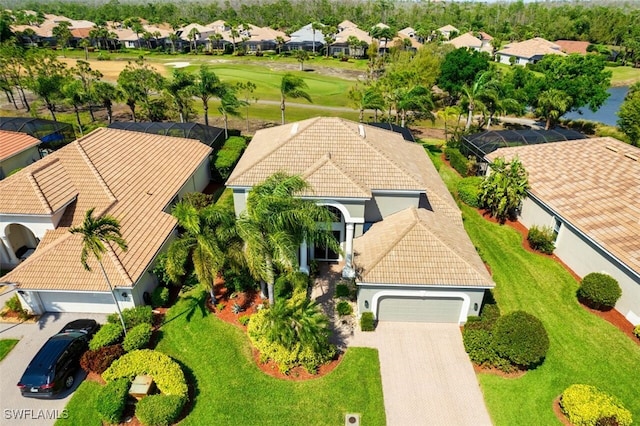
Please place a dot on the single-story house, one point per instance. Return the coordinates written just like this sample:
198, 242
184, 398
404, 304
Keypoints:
306, 38
263, 38
341, 44
399, 228
17, 150
471, 42
447, 31
527, 52
588, 192
132, 176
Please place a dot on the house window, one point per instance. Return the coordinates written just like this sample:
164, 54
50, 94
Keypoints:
557, 224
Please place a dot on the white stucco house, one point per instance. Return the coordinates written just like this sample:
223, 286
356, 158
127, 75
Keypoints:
17, 150
135, 177
588, 191
527, 52
399, 228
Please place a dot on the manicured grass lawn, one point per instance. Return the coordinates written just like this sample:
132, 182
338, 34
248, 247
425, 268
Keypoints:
5, 347
584, 348
231, 390
622, 76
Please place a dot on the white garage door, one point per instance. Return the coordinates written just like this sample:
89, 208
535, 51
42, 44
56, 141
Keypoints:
419, 309
77, 302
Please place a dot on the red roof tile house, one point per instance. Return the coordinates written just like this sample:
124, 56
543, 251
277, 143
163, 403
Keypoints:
135, 177
17, 150
400, 230
588, 192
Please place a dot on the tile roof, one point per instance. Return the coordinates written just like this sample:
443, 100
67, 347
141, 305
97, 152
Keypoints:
466, 40
573, 46
592, 183
529, 48
13, 143
419, 247
343, 36
346, 24
130, 175
448, 28
342, 157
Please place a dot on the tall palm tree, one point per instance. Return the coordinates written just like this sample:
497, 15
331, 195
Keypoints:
206, 86
229, 105
552, 104
208, 241
472, 94
180, 88
366, 98
293, 87
276, 222
193, 35
104, 93
315, 26
416, 99
98, 233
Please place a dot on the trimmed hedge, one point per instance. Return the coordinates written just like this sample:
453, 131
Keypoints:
109, 334
599, 291
133, 316
469, 190
344, 308
541, 239
586, 405
342, 290
367, 322
160, 297
137, 338
112, 400
458, 161
166, 373
99, 360
228, 155
159, 410
521, 338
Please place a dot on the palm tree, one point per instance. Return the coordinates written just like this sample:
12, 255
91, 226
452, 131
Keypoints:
472, 94
279, 43
416, 99
180, 88
229, 105
293, 87
206, 86
297, 321
366, 98
98, 233
276, 222
193, 36
552, 104
315, 26
208, 241
301, 56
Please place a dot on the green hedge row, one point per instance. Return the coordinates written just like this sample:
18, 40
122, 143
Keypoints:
112, 400
367, 322
586, 405
469, 190
228, 156
108, 334
458, 161
133, 316
137, 338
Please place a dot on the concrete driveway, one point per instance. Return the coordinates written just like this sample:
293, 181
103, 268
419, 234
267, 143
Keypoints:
14, 408
427, 377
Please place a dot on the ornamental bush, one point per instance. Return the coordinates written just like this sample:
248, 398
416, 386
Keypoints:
159, 410
586, 405
599, 291
137, 338
457, 160
133, 316
367, 322
521, 338
344, 308
99, 360
478, 343
636, 331
469, 190
166, 373
228, 156
342, 290
541, 239
111, 400
160, 297
109, 334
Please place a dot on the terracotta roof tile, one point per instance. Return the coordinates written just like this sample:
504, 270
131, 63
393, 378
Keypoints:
13, 143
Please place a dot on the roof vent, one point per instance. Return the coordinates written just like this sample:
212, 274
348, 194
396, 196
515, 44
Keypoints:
611, 148
361, 130
631, 156
294, 128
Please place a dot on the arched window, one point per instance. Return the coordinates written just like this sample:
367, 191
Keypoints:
336, 213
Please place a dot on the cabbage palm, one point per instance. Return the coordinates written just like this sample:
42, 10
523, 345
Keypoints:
276, 221
229, 105
98, 233
417, 99
472, 95
292, 86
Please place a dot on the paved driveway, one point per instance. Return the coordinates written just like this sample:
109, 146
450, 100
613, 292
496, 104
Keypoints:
427, 378
14, 408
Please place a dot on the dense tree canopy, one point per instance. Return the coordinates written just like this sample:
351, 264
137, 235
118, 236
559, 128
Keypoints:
460, 67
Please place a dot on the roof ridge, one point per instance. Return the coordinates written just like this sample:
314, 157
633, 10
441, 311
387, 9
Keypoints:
94, 170
327, 159
34, 183
44, 250
396, 240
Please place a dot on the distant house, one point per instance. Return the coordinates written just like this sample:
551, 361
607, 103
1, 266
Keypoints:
573, 46
306, 39
341, 44
447, 31
263, 38
527, 52
407, 34
588, 192
17, 150
346, 24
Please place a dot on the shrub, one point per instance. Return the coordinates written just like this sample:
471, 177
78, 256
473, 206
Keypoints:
160, 297
344, 308
636, 331
133, 316
469, 190
111, 400
159, 410
13, 304
478, 343
521, 338
108, 334
586, 405
99, 360
244, 320
458, 161
282, 288
541, 239
599, 291
160, 270
228, 155
367, 322
342, 290
238, 281
137, 338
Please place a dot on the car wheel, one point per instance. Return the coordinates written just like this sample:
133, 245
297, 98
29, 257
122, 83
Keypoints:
68, 381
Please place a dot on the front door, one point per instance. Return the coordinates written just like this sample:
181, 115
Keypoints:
325, 253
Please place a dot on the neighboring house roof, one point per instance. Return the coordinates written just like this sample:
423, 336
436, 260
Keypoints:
572, 46
184, 31
484, 36
402, 36
13, 143
306, 35
130, 175
43, 30
341, 158
419, 247
530, 48
447, 29
81, 32
260, 34
467, 40
381, 25
593, 184
409, 32
346, 24
343, 36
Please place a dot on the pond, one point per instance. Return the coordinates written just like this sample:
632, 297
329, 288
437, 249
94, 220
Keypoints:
608, 113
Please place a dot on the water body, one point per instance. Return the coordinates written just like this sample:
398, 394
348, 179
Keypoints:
608, 112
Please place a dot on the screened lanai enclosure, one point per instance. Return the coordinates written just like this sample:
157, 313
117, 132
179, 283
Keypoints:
208, 135
52, 134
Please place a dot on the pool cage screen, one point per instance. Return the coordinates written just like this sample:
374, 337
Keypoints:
208, 135
52, 134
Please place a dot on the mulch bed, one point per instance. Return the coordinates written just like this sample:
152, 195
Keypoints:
558, 412
496, 372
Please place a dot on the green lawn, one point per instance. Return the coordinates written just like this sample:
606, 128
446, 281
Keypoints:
5, 347
231, 390
584, 348
624, 76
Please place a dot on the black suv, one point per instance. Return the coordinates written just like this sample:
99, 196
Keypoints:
53, 368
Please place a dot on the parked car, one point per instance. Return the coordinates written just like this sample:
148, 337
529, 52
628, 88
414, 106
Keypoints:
52, 370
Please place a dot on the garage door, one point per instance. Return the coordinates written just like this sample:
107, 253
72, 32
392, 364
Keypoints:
77, 302
419, 309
